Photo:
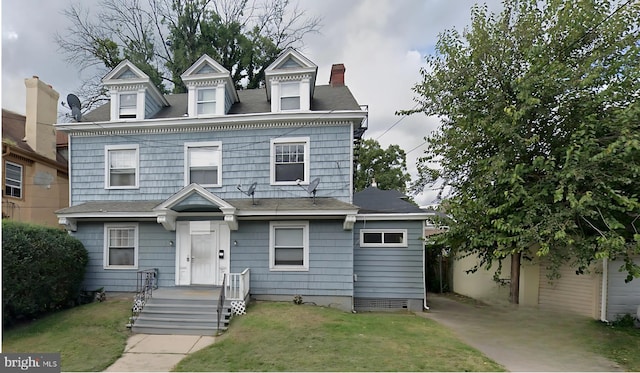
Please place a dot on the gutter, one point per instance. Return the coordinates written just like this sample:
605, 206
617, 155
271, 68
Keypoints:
424, 268
605, 286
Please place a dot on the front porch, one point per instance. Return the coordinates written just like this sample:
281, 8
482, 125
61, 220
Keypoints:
188, 310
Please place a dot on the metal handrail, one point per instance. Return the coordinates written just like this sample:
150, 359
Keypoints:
221, 299
147, 280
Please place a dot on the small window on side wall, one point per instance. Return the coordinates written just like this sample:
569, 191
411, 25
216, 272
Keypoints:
12, 180
383, 238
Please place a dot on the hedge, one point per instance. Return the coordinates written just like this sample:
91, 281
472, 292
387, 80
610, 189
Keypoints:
42, 270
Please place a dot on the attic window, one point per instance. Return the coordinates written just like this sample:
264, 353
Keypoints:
290, 96
128, 105
206, 101
206, 69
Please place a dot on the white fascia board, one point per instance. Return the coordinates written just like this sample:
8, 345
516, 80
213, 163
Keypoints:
223, 120
108, 215
340, 213
399, 216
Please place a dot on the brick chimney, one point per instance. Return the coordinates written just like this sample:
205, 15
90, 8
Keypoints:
41, 114
337, 75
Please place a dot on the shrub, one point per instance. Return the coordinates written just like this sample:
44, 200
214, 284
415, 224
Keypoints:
42, 270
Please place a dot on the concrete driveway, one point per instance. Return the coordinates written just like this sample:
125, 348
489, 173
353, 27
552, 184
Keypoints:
519, 338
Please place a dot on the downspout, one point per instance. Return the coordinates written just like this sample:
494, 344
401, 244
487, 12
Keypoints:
605, 285
424, 266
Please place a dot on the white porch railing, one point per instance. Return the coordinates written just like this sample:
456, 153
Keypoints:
238, 285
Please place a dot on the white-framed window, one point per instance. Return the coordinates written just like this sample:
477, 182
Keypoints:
383, 238
121, 166
203, 163
128, 105
206, 101
12, 180
290, 161
290, 96
289, 246
121, 246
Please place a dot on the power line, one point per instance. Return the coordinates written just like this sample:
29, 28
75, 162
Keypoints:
397, 122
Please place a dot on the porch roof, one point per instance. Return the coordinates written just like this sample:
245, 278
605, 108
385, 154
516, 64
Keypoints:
263, 207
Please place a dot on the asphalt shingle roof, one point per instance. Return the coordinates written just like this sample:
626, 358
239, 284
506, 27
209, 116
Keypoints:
373, 200
252, 101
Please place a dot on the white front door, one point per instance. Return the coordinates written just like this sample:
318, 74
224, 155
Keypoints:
202, 252
203, 263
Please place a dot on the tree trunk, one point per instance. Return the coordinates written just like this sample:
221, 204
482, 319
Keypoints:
515, 278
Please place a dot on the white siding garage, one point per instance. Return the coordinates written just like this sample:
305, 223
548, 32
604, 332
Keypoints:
622, 298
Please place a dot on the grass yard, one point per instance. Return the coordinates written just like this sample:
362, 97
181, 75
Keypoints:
286, 337
618, 343
89, 338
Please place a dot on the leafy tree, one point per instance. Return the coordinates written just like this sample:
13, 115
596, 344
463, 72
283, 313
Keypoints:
165, 37
540, 134
388, 167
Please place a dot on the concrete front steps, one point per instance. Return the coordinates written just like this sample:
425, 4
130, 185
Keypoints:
183, 311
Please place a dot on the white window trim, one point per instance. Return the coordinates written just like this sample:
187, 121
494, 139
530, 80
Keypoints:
107, 174
383, 231
203, 144
299, 95
307, 157
215, 101
305, 241
135, 113
105, 259
20, 187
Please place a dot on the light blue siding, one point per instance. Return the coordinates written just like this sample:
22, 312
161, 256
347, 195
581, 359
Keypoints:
622, 298
154, 251
394, 272
245, 159
330, 261
151, 106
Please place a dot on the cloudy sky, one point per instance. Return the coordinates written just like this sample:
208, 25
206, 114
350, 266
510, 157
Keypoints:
381, 42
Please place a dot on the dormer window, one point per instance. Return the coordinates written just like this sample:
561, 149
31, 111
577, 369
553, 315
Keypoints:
210, 89
132, 94
290, 82
128, 105
206, 101
290, 96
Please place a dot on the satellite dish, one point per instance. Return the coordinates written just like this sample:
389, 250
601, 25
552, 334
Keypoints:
311, 189
250, 192
313, 185
74, 103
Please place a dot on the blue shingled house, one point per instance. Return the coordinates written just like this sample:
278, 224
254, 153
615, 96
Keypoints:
250, 187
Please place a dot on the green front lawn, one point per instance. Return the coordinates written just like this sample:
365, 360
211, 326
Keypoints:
89, 338
287, 337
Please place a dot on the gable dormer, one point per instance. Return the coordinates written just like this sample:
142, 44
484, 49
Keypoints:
133, 95
290, 81
211, 90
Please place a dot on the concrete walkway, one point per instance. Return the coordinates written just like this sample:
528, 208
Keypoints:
157, 353
519, 338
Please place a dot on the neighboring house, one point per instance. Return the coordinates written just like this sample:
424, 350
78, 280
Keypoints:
601, 293
164, 182
35, 179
